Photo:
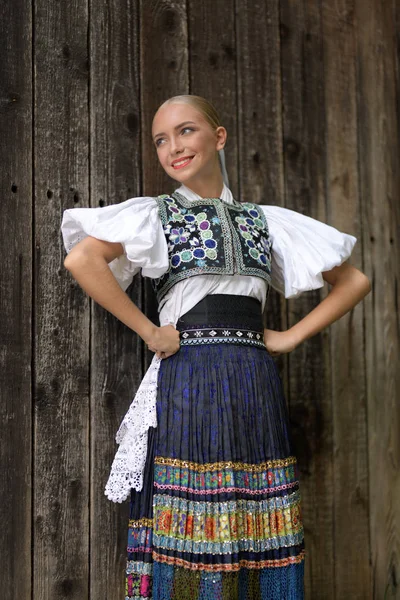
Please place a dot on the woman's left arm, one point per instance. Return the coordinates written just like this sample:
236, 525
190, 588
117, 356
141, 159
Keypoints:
349, 287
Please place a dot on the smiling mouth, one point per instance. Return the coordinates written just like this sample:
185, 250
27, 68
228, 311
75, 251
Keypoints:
182, 163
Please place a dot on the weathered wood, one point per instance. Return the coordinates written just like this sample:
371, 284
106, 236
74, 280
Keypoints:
61, 308
116, 351
379, 128
350, 474
309, 372
16, 230
259, 102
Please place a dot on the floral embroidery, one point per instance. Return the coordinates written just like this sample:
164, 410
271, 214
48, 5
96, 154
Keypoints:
179, 236
250, 229
196, 232
212, 236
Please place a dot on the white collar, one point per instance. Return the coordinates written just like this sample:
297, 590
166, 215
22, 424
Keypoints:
226, 195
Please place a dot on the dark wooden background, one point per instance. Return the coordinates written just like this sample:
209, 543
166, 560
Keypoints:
309, 93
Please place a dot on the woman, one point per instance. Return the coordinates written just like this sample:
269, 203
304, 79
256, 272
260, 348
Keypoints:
205, 449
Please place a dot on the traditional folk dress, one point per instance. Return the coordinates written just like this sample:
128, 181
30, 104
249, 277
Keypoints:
205, 451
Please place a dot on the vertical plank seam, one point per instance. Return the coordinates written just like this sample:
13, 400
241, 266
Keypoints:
326, 169
138, 33
362, 244
279, 12
189, 80
330, 351
396, 61
238, 100
286, 360
89, 97
33, 304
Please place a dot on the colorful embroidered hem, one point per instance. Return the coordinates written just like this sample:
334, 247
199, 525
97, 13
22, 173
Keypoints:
212, 542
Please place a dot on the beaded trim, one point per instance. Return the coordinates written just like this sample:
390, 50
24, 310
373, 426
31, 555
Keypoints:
144, 568
143, 522
247, 564
218, 335
241, 466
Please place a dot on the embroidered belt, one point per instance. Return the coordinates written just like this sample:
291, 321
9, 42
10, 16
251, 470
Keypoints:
218, 335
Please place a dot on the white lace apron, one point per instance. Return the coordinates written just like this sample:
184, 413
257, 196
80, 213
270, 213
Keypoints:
130, 458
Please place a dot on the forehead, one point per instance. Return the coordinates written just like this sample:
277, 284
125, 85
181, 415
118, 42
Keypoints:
172, 114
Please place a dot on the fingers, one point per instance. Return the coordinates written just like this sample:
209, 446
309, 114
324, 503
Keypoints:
165, 354
158, 353
161, 353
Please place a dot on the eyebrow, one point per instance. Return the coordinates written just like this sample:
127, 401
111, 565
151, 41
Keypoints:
176, 127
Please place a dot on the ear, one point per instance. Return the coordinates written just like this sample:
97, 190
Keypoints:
221, 135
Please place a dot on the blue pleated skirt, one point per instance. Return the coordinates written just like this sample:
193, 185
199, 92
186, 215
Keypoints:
219, 514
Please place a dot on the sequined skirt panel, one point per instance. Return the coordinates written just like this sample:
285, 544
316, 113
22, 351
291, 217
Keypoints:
219, 515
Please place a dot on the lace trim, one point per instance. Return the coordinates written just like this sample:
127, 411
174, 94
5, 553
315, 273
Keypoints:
130, 458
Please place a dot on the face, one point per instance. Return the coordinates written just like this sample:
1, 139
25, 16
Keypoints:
186, 144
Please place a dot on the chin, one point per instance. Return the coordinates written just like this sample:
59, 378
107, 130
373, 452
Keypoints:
181, 178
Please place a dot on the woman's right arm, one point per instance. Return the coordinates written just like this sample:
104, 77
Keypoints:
88, 264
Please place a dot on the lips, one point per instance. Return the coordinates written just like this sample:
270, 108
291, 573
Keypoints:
182, 162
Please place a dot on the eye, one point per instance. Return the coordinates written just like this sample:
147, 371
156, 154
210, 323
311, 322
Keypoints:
157, 142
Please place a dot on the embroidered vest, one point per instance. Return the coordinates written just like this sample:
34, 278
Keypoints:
210, 236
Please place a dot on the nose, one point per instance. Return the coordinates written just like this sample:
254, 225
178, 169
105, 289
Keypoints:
176, 145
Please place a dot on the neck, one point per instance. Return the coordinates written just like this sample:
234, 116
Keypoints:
209, 188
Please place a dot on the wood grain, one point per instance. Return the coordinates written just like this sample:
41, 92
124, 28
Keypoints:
378, 117
61, 308
16, 278
350, 445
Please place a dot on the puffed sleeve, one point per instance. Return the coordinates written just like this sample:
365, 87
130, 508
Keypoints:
302, 249
135, 223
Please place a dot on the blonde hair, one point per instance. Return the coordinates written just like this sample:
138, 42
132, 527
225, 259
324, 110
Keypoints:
208, 111
199, 103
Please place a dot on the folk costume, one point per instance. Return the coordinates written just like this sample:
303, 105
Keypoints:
205, 452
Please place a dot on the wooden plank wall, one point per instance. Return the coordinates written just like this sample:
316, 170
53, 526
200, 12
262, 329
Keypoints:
309, 92
16, 278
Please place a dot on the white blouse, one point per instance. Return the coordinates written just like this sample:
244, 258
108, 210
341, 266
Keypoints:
302, 249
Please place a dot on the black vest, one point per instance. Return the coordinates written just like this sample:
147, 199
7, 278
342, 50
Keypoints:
210, 236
